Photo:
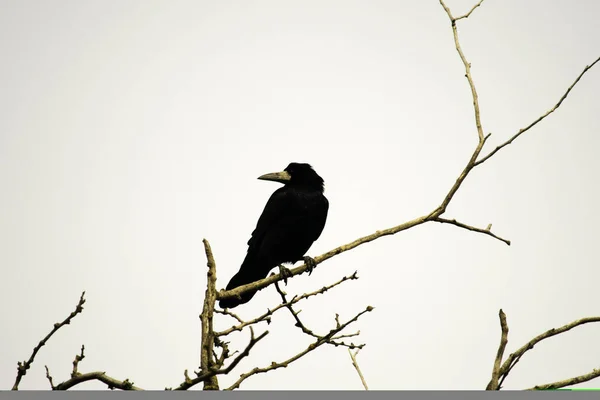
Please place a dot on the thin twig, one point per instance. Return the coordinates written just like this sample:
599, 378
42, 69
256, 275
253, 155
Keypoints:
49, 377
309, 332
471, 228
22, 367
203, 376
246, 351
267, 315
220, 361
231, 314
531, 125
294, 313
469, 13
78, 358
274, 365
493, 384
349, 335
355, 364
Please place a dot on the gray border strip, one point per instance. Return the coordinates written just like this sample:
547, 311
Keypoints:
266, 395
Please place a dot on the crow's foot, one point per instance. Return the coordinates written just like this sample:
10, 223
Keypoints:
285, 272
310, 264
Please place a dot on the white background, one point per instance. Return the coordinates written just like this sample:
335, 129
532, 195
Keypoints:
130, 130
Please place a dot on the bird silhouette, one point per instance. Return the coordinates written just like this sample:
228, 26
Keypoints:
291, 221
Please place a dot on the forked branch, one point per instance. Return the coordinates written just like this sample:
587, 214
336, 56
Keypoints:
22, 367
499, 374
313, 346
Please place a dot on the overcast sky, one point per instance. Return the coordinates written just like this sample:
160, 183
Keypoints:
130, 130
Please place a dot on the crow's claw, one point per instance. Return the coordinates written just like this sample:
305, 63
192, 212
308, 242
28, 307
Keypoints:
310, 264
285, 272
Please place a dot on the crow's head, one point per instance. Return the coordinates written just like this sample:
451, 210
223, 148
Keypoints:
296, 174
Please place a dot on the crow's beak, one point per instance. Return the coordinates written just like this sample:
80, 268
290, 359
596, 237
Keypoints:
282, 177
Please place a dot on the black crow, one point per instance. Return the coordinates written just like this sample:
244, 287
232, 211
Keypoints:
292, 220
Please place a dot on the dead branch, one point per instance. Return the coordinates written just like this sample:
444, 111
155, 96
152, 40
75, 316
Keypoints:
203, 376
208, 337
306, 330
467, 14
486, 231
514, 358
568, 382
112, 383
493, 384
539, 119
77, 377
22, 367
355, 365
294, 313
316, 344
267, 315
499, 374
49, 377
78, 358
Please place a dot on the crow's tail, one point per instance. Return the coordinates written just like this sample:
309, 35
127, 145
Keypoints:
250, 271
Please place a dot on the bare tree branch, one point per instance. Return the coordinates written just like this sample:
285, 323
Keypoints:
274, 365
469, 13
232, 315
349, 335
531, 125
493, 384
499, 374
512, 360
206, 318
467, 70
246, 351
263, 283
294, 313
309, 332
267, 315
22, 367
471, 228
78, 358
568, 382
77, 377
203, 376
49, 377
112, 383
355, 365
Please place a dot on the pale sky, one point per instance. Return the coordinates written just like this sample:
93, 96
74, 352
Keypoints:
131, 130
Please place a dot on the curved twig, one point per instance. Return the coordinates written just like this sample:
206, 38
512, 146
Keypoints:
22, 367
